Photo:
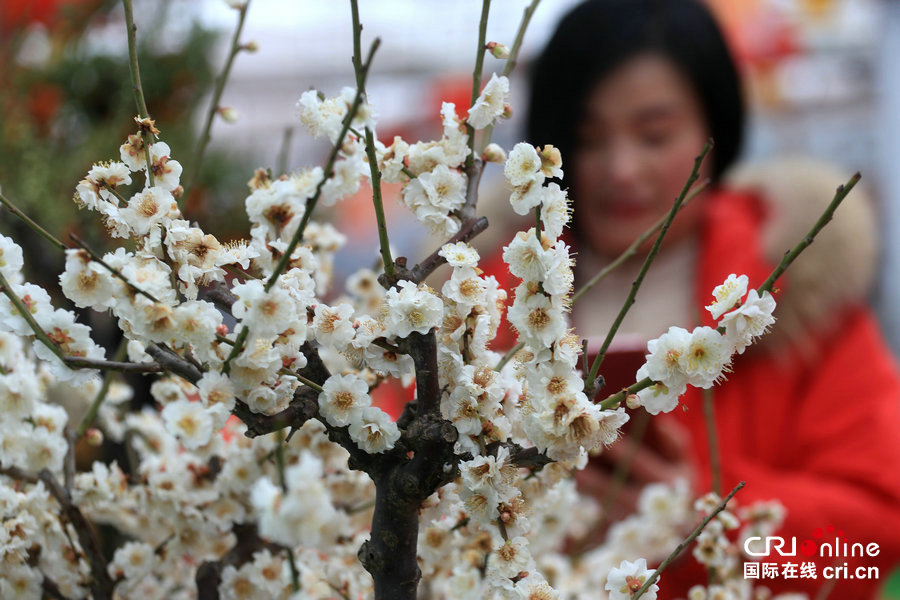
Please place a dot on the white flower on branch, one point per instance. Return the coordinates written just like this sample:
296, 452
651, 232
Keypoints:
728, 294
189, 422
148, 208
459, 254
132, 561
707, 356
10, 259
491, 103
537, 320
626, 579
265, 313
658, 397
216, 389
556, 210
343, 399
85, 282
749, 321
412, 308
166, 172
664, 361
373, 431
510, 558
523, 167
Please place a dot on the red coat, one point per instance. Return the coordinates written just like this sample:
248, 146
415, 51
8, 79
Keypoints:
822, 437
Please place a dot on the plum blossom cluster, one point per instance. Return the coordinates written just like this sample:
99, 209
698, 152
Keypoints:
701, 357
203, 498
436, 184
558, 417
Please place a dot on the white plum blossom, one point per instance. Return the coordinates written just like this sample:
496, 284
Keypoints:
265, 313
706, 356
132, 561
147, 209
491, 103
664, 361
216, 389
10, 259
728, 294
523, 167
373, 431
445, 188
459, 254
749, 321
626, 579
537, 320
343, 399
412, 308
658, 397
511, 558
189, 422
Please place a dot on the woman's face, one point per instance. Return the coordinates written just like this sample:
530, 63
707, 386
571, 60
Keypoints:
643, 127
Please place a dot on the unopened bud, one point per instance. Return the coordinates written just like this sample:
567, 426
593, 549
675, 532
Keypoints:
94, 437
498, 50
494, 153
551, 161
178, 192
507, 111
632, 401
250, 47
222, 329
229, 113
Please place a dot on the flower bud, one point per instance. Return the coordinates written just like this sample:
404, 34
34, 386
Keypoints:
498, 50
551, 161
507, 111
94, 437
494, 153
632, 401
229, 113
250, 47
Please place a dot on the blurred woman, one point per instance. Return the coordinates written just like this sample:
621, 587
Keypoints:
630, 90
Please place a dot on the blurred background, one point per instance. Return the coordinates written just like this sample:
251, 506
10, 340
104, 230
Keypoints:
822, 79
821, 82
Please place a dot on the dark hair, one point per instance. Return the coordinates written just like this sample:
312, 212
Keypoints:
599, 35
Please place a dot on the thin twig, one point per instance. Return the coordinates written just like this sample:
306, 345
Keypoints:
476, 75
374, 171
205, 137
327, 174
629, 301
712, 440
614, 400
39, 333
633, 248
284, 152
508, 356
511, 63
115, 272
101, 584
137, 88
789, 257
91, 413
652, 579
34, 226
